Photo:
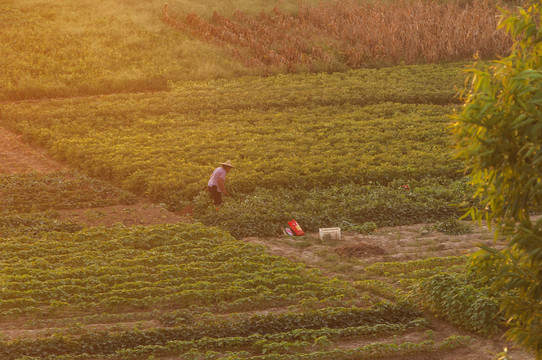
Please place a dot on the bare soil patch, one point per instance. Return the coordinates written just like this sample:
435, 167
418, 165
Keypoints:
400, 243
17, 157
359, 250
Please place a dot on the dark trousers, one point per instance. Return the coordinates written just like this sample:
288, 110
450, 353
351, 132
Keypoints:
215, 195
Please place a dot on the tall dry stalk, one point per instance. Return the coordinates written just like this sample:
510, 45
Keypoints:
356, 35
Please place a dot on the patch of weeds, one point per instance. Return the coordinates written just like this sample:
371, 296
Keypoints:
303, 244
343, 267
329, 260
77, 329
437, 247
450, 226
93, 214
365, 228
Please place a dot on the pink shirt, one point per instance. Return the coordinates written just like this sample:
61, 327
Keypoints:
218, 173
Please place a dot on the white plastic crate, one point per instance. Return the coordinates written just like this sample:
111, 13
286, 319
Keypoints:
330, 233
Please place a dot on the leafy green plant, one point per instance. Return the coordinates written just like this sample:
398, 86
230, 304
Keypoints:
396, 267
451, 297
58, 190
498, 135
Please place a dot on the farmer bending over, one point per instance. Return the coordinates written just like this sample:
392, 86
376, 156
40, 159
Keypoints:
216, 183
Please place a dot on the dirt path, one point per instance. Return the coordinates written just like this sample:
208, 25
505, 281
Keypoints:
400, 243
346, 258
16, 157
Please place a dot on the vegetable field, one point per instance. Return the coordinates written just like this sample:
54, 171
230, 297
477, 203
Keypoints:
330, 116
203, 292
364, 131
23, 193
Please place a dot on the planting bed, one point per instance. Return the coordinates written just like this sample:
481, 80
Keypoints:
71, 292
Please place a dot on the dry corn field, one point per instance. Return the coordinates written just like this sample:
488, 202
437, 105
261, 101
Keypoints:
345, 34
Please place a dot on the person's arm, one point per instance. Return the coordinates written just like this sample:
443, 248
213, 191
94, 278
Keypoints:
221, 186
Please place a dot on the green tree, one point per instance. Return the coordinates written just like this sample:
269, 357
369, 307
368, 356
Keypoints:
499, 135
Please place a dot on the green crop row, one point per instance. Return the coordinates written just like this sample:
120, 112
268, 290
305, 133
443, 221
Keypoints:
371, 351
413, 84
376, 125
319, 349
109, 343
452, 297
112, 274
226, 300
33, 225
120, 254
395, 268
266, 211
266, 343
25, 284
182, 266
56, 191
148, 298
74, 320
413, 276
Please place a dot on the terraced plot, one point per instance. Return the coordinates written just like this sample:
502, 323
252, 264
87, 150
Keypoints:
363, 132
182, 286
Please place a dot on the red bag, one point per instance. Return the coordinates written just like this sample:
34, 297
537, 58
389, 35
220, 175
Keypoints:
296, 228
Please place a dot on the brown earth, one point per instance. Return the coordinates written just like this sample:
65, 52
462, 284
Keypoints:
400, 243
17, 157
346, 258
343, 258
359, 250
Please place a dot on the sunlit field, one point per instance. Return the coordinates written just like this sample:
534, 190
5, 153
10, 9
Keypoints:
133, 103
64, 49
61, 48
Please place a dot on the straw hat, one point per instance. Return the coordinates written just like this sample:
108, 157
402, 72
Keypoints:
227, 163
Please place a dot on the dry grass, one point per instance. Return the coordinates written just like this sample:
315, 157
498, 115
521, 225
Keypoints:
348, 34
